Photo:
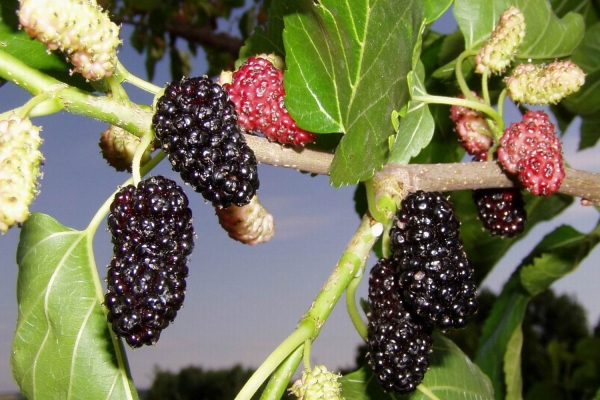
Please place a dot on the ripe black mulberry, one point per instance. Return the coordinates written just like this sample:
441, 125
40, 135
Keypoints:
152, 236
197, 126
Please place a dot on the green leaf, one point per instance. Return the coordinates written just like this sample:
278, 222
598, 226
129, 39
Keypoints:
558, 254
547, 36
451, 375
63, 348
347, 65
535, 274
587, 100
435, 8
416, 129
583, 7
505, 318
486, 250
270, 41
512, 366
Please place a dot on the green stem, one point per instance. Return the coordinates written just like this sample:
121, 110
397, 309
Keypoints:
126, 115
353, 310
135, 81
346, 269
281, 377
476, 105
137, 157
484, 87
306, 356
462, 83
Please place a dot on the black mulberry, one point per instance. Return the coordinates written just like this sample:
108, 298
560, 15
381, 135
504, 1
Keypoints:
152, 236
196, 124
501, 211
436, 275
398, 341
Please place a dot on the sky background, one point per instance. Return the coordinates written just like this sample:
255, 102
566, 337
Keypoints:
242, 301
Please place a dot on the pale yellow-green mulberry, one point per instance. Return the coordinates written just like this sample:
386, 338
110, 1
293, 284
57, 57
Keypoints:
20, 160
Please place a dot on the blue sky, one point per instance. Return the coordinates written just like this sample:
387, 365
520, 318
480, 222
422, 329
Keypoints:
241, 301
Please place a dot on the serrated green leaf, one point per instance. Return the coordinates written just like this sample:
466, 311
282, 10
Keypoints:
547, 36
451, 375
347, 65
558, 254
416, 128
508, 311
63, 348
512, 366
486, 250
270, 41
587, 100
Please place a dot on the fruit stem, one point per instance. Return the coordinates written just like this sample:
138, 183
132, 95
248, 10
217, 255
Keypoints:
474, 104
313, 320
353, 311
137, 157
281, 377
304, 331
136, 81
117, 91
484, 87
306, 356
462, 83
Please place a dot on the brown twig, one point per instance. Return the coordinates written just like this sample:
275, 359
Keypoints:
428, 177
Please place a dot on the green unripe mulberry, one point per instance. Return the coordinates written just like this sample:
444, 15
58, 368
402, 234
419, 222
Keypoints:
318, 384
79, 29
20, 160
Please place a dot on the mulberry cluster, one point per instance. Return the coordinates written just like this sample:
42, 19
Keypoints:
197, 127
398, 341
79, 29
152, 236
20, 160
436, 275
531, 150
257, 90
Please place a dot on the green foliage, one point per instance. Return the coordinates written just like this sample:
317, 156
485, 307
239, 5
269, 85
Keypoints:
547, 36
537, 272
63, 347
335, 84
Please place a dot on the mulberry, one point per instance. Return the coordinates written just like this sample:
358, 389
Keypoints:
152, 236
77, 28
436, 275
197, 127
398, 341
257, 90
20, 160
